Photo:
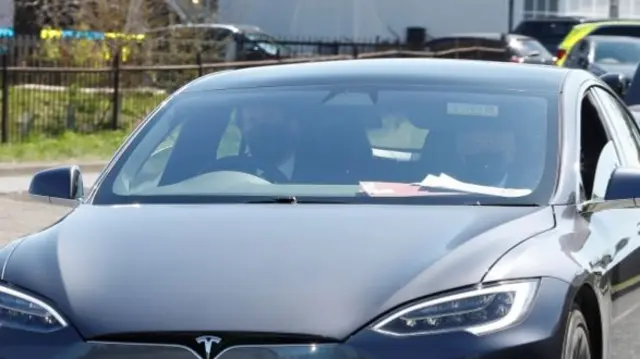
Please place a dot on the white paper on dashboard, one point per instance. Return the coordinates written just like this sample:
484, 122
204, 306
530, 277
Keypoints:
372, 189
447, 182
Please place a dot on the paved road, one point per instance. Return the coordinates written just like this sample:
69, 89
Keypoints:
21, 183
19, 215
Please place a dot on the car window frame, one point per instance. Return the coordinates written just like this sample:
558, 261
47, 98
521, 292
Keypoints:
582, 92
594, 92
628, 125
612, 138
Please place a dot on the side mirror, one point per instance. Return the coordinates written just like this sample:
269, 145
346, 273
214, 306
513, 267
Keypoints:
619, 83
624, 184
61, 185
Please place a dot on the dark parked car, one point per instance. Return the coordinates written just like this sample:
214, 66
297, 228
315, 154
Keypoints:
381, 209
520, 49
550, 31
602, 54
226, 42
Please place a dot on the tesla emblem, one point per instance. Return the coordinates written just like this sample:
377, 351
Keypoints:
208, 341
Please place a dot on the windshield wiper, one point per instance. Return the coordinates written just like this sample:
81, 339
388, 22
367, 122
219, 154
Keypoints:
276, 200
291, 200
497, 204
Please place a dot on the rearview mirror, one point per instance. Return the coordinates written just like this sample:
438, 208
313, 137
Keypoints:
619, 83
61, 185
534, 53
624, 184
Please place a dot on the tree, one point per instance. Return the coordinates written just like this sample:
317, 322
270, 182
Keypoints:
33, 15
99, 15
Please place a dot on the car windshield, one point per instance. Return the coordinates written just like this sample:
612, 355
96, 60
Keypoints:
348, 144
617, 52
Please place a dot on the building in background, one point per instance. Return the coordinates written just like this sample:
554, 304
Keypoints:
586, 8
6, 13
366, 19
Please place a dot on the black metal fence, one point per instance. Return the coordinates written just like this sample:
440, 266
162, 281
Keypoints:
37, 51
50, 100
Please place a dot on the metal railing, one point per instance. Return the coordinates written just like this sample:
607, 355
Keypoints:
51, 100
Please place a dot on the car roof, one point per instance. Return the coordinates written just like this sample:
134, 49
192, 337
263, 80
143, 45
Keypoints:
609, 22
576, 19
484, 35
613, 38
396, 71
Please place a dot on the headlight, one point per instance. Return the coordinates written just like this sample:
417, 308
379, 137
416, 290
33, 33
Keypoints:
478, 311
21, 311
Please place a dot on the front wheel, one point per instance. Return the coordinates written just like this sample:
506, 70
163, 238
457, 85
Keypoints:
577, 343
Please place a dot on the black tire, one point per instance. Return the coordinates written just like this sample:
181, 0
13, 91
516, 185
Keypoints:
577, 342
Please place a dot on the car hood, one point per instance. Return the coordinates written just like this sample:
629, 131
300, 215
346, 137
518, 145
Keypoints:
322, 270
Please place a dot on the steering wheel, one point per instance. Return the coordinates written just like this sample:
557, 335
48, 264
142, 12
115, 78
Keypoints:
247, 165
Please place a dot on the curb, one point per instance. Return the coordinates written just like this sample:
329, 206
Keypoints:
28, 169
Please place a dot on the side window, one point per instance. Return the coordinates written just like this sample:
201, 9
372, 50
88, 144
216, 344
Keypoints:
627, 135
221, 40
593, 140
222, 34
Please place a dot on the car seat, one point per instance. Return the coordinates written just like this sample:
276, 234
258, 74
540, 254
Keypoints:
333, 150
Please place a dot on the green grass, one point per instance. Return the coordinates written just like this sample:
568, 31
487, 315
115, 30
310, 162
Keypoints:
70, 123
52, 112
67, 147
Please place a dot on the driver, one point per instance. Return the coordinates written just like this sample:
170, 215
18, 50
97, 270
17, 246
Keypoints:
486, 154
271, 139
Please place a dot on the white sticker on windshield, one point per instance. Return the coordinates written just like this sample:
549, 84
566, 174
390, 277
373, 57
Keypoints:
471, 109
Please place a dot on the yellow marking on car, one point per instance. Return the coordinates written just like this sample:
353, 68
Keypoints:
581, 31
626, 284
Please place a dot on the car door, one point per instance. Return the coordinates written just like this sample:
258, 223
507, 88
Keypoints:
619, 227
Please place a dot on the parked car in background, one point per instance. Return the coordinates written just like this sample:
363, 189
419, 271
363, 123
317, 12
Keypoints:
603, 54
224, 41
520, 48
548, 30
596, 27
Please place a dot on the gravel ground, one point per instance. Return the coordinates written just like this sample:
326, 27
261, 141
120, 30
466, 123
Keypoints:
19, 216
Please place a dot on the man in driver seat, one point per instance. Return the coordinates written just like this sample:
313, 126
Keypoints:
271, 139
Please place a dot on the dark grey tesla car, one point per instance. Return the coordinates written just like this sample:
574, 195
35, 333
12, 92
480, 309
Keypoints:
364, 209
